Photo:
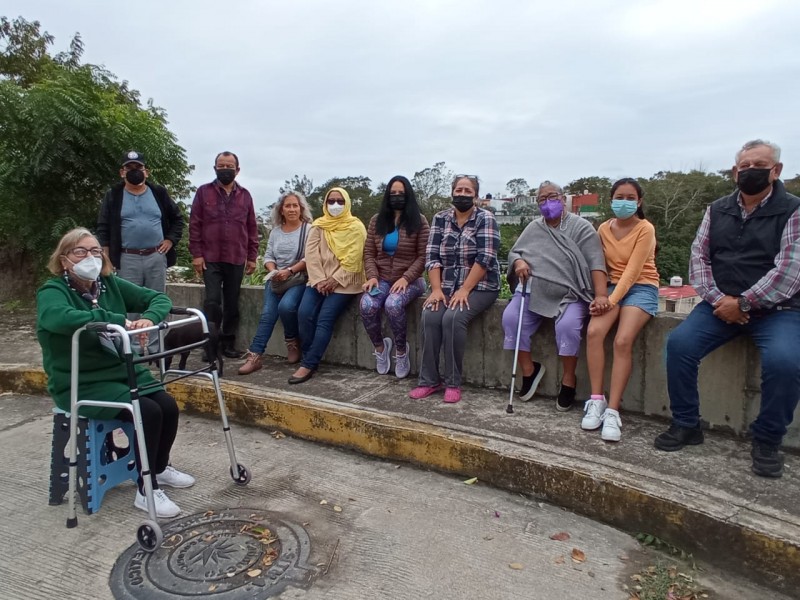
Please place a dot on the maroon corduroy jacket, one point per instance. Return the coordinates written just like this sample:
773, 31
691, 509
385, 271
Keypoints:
408, 260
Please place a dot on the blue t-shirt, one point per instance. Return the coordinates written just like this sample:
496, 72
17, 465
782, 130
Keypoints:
390, 242
141, 221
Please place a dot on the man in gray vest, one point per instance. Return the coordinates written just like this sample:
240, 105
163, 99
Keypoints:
745, 265
139, 226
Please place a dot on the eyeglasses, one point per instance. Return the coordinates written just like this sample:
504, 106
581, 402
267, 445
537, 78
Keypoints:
464, 175
335, 201
81, 252
552, 196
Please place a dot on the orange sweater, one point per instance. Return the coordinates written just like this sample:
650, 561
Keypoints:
629, 260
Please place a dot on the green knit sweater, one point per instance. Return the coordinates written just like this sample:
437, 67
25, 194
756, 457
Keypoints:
61, 311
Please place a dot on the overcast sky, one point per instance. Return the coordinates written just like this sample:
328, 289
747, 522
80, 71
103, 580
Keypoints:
499, 88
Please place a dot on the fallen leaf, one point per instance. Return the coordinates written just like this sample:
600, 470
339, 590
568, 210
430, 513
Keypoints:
488, 537
636, 577
307, 523
208, 513
337, 508
590, 573
471, 480
577, 556
212, 588
561, 536
559, 560
323, 501
254, 572
230, 574
623, 557
278, 435
497, 514
516, 566
352, 499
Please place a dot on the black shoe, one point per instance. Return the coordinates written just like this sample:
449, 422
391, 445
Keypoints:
676, 437
566, 398
767, 461
531, 382
231, 352
293, 380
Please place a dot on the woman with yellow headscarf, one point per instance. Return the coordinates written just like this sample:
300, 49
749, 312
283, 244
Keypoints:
335, 266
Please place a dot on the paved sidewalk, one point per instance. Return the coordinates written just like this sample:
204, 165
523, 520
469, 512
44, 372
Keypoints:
401, 532
703, 499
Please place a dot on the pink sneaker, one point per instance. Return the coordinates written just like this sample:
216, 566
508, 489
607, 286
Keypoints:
452, 395
423, 391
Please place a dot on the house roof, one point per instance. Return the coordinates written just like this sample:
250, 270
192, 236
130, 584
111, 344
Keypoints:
676, 293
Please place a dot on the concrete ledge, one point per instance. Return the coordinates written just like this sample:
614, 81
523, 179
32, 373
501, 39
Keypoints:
730, 378
723, 526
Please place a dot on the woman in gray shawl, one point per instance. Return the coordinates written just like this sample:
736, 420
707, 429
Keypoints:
559, 263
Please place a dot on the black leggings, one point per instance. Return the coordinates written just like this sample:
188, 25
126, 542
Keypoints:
160, 424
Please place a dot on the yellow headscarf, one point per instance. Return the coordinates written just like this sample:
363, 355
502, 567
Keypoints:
345, 234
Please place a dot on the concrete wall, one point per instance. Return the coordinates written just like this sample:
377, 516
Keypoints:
729, 377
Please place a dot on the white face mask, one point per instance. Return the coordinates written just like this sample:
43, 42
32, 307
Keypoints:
335, 210
89, 268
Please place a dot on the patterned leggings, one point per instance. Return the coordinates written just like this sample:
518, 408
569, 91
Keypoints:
395, 307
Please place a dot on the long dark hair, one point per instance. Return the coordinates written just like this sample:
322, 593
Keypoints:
636, 186
410, 217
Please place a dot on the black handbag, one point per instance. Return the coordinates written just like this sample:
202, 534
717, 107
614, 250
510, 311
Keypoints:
295, 279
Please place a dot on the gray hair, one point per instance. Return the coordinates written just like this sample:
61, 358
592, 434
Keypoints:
548, 183
305, 211
473, 179
776, 150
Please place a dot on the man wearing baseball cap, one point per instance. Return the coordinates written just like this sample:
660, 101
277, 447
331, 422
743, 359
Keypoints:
139, 225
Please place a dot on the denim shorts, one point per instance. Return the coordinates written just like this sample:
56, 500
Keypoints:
641, 295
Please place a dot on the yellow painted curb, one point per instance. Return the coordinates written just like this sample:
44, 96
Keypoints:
741, 542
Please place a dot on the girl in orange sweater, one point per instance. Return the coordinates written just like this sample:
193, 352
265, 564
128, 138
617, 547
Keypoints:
629, 245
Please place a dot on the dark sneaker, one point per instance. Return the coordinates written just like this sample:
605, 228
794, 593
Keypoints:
531, 382
229, 351
676, 437
566, 398
767, 461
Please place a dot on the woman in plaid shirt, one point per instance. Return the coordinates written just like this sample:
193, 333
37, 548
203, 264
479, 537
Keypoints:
461, 259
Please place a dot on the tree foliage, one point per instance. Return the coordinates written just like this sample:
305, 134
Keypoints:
63, 127
517, 187
432, 186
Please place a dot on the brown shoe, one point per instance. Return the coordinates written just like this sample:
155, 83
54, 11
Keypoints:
251, 364
293, 354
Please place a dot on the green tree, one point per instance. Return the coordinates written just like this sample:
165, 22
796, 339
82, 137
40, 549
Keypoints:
517, 187
593, 185
432, 187
63, 126
303, 184
364, 201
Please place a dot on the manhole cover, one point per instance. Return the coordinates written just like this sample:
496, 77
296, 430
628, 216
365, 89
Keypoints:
223, 554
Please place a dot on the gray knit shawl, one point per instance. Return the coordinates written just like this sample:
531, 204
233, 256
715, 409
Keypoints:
561, 262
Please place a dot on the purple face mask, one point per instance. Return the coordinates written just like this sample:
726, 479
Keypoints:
551, 209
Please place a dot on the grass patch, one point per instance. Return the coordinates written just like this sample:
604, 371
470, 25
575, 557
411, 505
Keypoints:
665, 582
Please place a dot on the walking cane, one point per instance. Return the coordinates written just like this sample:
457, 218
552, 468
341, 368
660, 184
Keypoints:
510, 407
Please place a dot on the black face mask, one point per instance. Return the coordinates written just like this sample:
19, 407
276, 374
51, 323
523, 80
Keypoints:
463, 203
225, 176
397, 201
753, 181
134, 177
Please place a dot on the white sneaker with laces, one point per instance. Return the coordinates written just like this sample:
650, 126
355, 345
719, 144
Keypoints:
402, 364
174, 478
612, 426
165, 508
593, 416
384, 359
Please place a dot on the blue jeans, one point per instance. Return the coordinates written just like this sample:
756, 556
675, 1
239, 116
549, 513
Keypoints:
283, 306
316, 317
774, 333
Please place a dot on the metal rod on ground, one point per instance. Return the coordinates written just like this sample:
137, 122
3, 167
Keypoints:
510, 407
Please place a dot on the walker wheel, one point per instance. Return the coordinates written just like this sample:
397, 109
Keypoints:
244, 475
149, 536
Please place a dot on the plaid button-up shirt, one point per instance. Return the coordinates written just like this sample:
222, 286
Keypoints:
455, 249
779, 283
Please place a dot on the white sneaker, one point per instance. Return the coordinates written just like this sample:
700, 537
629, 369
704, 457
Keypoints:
165, 508
612, 426
593, 416
402, 364
384, 359
174, 478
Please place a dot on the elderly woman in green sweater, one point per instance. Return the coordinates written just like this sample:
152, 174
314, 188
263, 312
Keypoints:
84, 290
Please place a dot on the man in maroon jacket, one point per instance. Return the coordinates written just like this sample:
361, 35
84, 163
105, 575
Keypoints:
223, 241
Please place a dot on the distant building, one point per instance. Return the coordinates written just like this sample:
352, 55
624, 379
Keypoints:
586, 205
679, 299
